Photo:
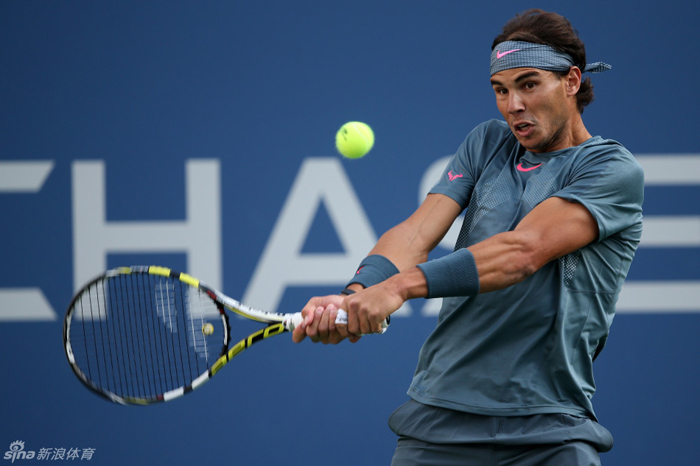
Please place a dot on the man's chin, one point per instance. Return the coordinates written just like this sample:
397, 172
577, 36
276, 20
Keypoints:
528, 144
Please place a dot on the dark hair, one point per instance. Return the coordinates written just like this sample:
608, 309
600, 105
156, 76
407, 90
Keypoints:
542, 27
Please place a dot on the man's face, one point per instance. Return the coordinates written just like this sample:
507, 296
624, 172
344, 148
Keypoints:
537, 106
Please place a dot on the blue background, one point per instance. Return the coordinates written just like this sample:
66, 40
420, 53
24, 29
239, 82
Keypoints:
262, 86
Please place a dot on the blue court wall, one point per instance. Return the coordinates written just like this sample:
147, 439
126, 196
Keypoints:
200, 136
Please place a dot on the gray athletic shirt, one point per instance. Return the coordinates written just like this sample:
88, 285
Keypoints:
529, 348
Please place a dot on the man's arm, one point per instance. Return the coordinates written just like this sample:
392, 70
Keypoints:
405, 245
408, 243
553, 229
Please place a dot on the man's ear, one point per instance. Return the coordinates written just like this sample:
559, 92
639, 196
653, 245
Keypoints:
573, 81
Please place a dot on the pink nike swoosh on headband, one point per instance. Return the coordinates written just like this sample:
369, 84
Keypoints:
520, 167
500, 55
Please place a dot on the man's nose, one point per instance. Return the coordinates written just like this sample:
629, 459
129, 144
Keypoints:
515, 103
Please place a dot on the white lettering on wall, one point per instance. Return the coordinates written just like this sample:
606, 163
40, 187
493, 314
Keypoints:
198, 236
320, 180
24, 304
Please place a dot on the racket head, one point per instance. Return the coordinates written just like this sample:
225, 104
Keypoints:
141, 335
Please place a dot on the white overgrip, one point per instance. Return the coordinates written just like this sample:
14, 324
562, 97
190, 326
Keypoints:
342, 319
296, 319
293, 321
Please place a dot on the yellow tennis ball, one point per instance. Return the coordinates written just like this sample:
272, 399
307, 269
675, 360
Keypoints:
207, 329
354, 139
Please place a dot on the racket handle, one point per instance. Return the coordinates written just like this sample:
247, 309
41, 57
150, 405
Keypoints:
293, 321
342, 318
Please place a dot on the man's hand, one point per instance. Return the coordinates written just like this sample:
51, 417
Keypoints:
368, 308
319, 321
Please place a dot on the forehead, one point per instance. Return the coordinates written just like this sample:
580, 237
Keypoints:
513, 75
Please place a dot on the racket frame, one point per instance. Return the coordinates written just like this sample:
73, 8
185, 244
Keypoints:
278, 324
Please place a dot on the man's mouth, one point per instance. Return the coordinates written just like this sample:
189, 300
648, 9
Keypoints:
522, 129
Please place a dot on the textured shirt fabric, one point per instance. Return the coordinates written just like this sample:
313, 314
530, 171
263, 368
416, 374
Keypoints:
528, 349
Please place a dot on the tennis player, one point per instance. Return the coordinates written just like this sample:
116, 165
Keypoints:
553, 219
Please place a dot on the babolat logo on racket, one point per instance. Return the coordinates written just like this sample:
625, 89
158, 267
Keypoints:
17, 452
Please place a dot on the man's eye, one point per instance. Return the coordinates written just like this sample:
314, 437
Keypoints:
530, 85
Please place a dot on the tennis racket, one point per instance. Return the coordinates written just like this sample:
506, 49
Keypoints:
142, 335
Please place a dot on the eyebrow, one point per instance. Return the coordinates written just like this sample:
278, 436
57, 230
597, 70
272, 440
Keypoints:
520, 78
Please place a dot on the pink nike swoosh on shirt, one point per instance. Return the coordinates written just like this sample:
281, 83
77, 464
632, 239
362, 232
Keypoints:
500, 55
520, 167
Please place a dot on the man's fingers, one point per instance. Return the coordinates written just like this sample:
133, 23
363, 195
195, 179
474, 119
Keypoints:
308, 319
332, 315
318, 321
299, 334
324, 325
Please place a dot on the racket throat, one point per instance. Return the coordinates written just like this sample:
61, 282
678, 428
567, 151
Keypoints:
250, 340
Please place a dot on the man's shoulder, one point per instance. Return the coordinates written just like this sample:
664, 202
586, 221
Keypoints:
598, 149
600, 145
489, 137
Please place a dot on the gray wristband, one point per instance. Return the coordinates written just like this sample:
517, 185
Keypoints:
452, 275
372, 270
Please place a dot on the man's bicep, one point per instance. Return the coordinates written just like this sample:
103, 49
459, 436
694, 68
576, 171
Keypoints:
558, 227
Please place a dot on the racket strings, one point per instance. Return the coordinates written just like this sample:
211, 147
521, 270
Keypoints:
140, 336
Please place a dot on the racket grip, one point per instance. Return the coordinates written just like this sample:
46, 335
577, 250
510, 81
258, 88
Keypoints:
342, 318
296, 319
